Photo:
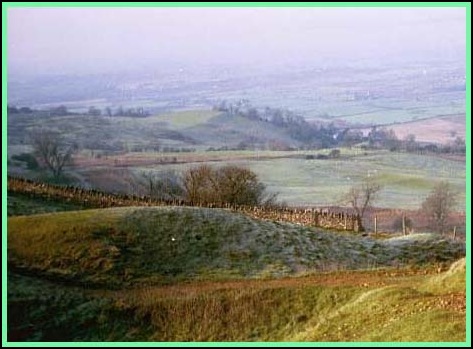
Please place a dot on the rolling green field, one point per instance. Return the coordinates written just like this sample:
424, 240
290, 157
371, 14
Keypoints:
186, 119
196, 129
190, 274
406, 178
193, 242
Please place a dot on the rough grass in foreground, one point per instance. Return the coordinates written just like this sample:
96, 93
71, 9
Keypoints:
19, 205
360, 307
191, 274
123, 246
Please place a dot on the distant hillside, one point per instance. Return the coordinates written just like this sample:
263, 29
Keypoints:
443, 129
241, 132
120, 246
179, 131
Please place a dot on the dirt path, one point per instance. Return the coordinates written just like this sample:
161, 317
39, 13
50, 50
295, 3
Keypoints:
365, 279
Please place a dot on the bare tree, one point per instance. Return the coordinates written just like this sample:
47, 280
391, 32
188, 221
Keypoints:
199, 184
439, 204
52, 151
162, 186
362, 196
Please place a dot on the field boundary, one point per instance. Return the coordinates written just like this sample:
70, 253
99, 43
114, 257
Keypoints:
91, 198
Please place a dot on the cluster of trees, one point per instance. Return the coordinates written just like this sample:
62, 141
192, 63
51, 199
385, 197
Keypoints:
327, 136
458, 146
156, 147
94, 111
382, 138
167, 149
349, 137
139, 112
54, 111
11, 109
314, 136
437, 206
209, 185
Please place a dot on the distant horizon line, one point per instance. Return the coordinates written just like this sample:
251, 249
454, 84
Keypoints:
177, 67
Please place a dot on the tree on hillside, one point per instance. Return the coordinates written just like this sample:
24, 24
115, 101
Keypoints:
362, 196
198, 184
382, 138
238, 185
439, 204
161, 186
52, 151
225, 185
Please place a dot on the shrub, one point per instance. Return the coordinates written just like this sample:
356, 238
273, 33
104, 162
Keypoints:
29, 159
228, 184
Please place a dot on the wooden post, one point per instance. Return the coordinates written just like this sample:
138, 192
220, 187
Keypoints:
345, 222
454, 232
403, 224
375, 225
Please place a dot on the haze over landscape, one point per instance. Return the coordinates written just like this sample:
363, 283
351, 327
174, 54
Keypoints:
98, 40
236, 174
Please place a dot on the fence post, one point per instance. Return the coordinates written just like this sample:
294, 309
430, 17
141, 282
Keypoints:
345, 221
403, 224
375, 225
454, 232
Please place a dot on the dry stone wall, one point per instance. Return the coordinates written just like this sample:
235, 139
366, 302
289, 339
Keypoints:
98, 199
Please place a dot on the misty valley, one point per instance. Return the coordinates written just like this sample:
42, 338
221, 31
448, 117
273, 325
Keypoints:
304, 199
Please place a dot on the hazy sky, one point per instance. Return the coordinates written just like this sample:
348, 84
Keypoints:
78, 40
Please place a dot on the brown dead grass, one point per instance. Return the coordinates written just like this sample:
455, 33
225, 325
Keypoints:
149, 159
437, 130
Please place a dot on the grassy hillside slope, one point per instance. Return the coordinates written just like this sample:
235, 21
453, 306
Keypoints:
121, 246
198, 129
336, 306
190, 274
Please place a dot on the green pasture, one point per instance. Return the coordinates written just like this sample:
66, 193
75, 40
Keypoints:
406, 178
192, 274
185, 119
